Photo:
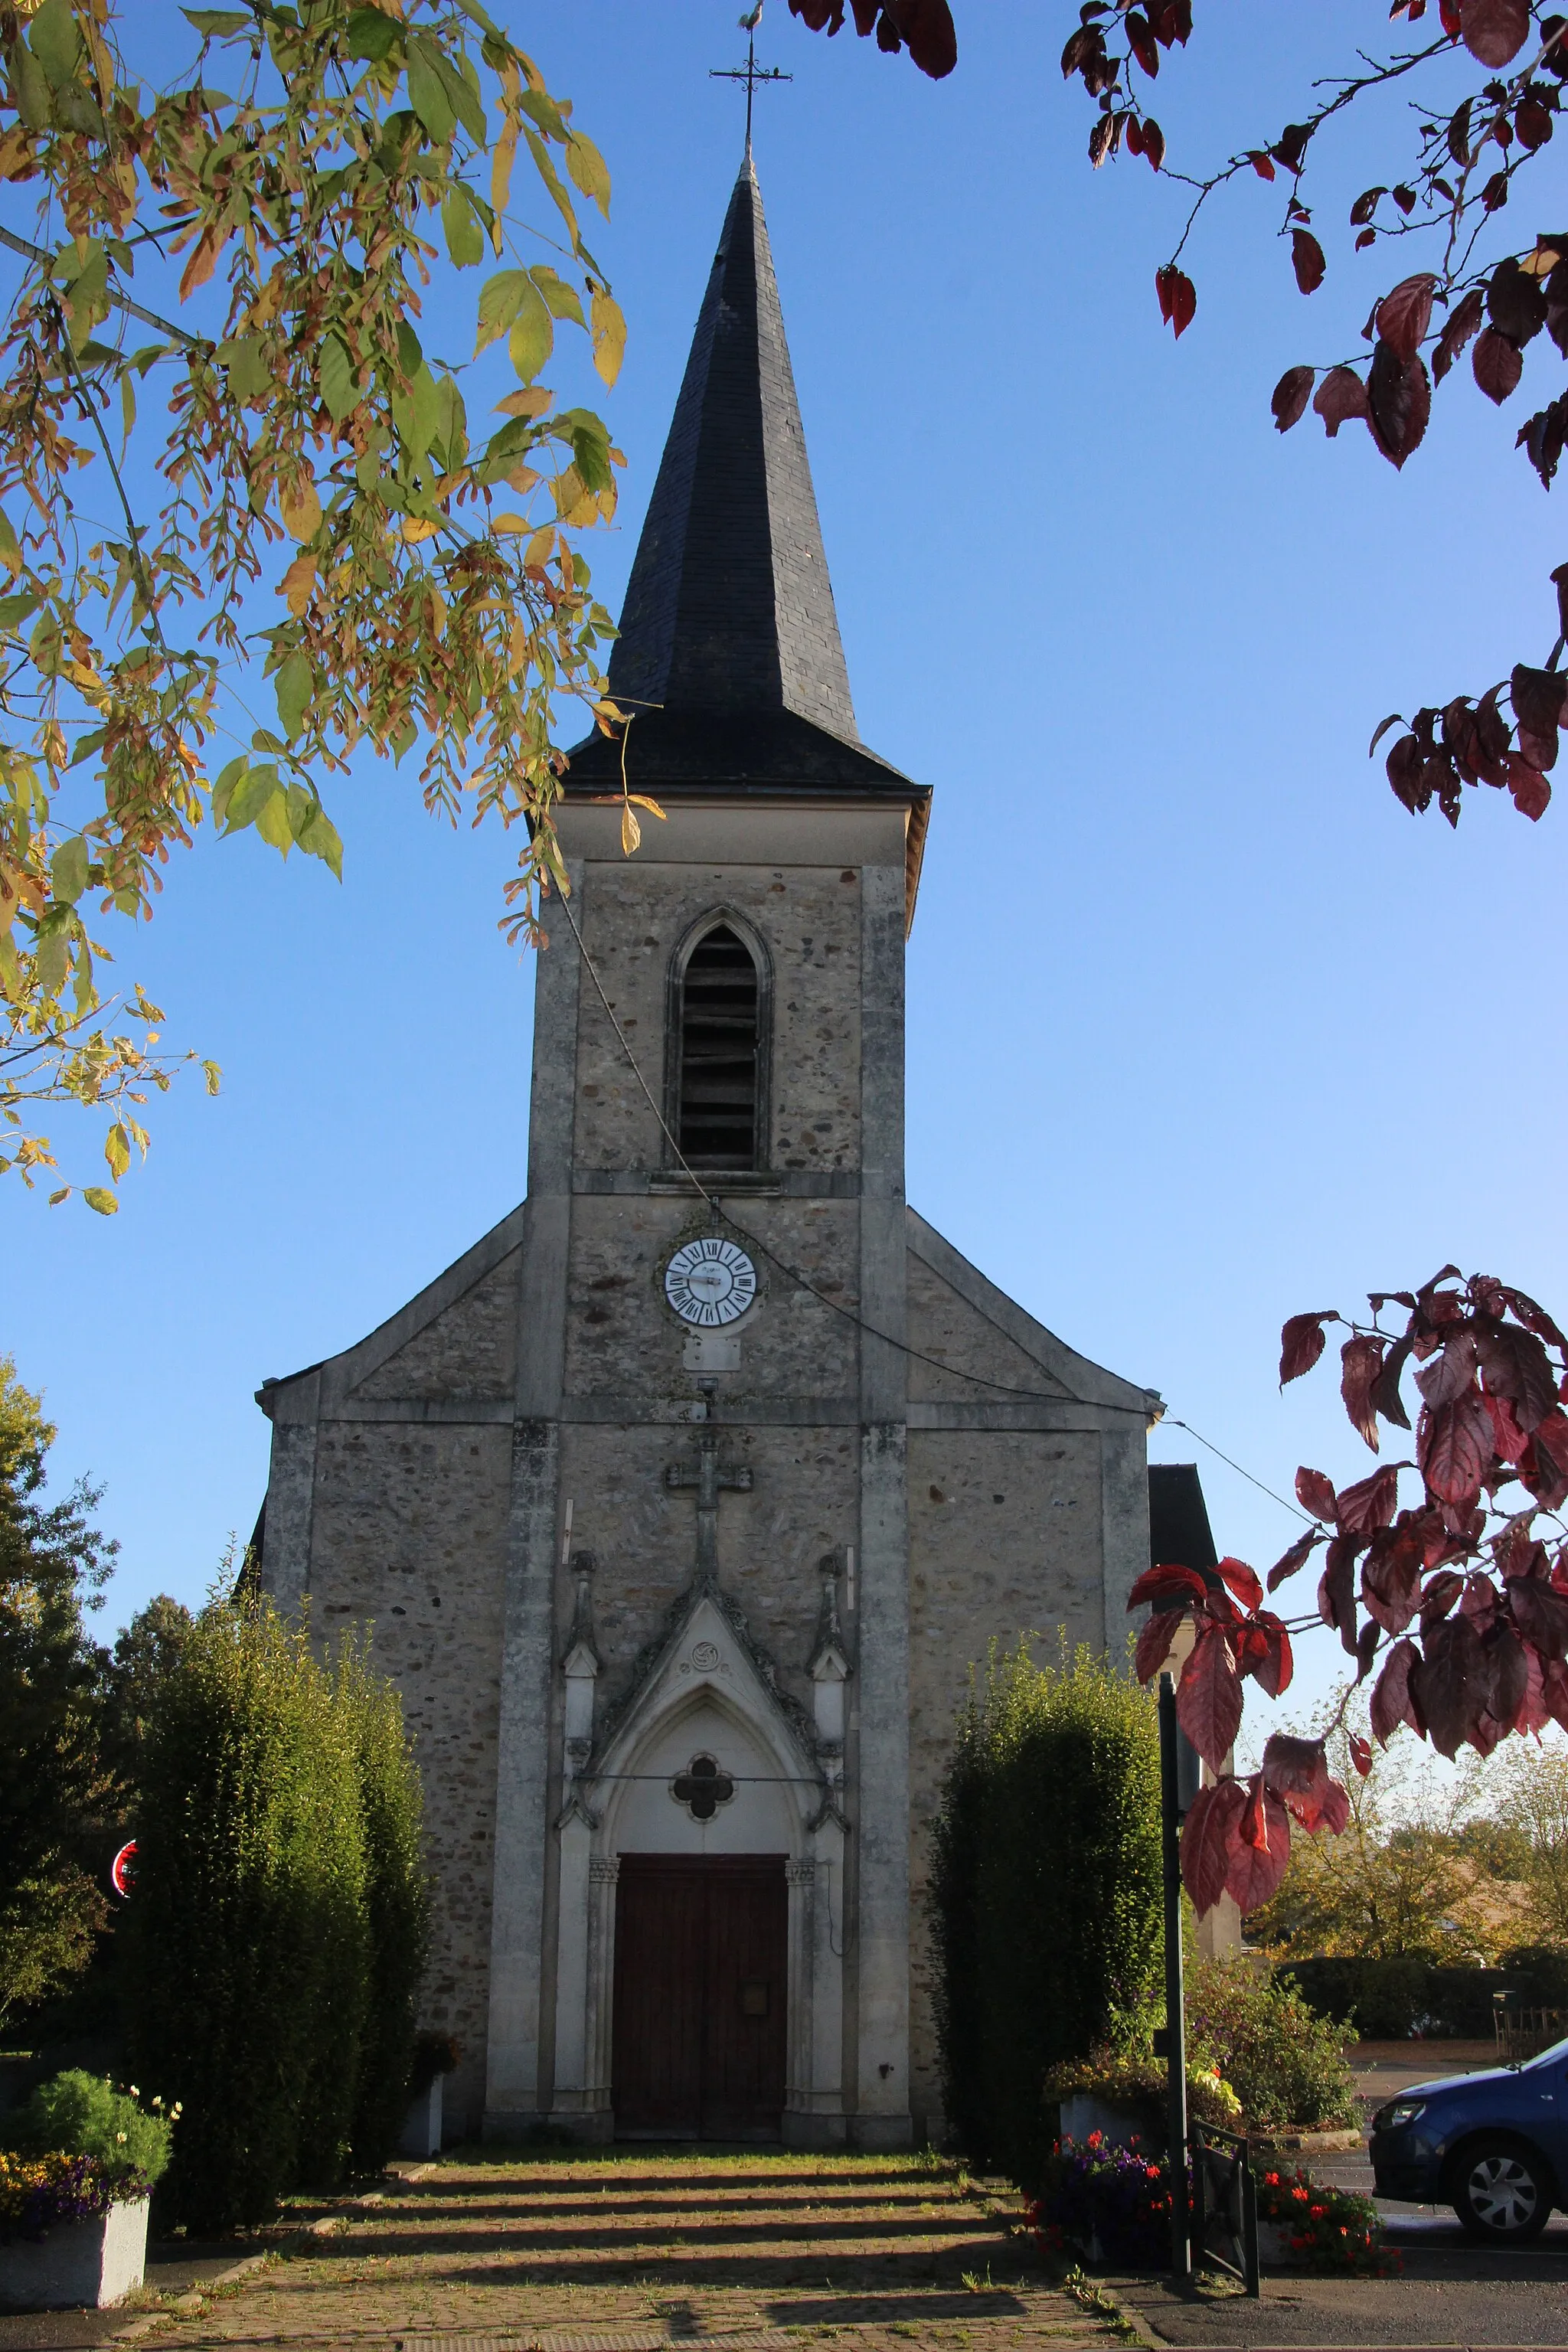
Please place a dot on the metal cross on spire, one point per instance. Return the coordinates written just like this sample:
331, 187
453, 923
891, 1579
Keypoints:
751, 73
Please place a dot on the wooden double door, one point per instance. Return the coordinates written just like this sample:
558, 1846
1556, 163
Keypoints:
702, 1954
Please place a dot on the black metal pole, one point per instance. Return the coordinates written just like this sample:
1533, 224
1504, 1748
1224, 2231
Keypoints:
1175, 2014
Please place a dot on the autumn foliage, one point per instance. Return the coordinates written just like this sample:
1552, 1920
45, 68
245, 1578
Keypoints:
1457, 1601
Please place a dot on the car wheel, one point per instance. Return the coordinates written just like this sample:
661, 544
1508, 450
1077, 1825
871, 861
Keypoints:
1501, 2192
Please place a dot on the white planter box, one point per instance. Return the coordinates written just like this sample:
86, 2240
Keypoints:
422, 2125
78, 2264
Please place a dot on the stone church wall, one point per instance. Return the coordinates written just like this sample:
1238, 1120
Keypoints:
1005, 1539
409, 1538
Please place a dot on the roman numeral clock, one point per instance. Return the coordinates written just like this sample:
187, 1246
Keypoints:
710, 1283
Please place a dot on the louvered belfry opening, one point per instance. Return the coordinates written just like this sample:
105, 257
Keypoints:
719, 1049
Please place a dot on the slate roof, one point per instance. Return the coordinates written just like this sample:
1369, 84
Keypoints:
729, 624
1179, 1531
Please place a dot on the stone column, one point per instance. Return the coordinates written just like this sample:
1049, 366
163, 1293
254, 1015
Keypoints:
799, 1877
881, 1814
572, 1940
603, 1872
514, 2093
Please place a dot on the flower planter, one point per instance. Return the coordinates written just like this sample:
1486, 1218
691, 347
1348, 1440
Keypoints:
1120, 2123
77, 2264
422, 2125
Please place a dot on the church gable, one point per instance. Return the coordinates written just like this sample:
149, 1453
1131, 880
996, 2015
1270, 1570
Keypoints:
467, 1349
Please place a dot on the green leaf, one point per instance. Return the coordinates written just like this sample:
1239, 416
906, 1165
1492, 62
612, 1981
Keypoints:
223, 788
410, 355
500, 298
56, 43
464, 95
589, 170
339, 386
117, 1150
30, 88
428, 90
541, 108
51, 961
245, 359
452, 433
564, 300
319, 838
532, 337
14, 610
321, 841
99, 1197
295, 686
272, 822
67, 870
465, 238
372, 35
590, 447
250, 795
10, 550
215, 24
416, 412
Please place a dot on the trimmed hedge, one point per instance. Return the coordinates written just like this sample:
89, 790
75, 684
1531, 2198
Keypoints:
1389, 2000
1045, 1895
397, 1910
278, 1902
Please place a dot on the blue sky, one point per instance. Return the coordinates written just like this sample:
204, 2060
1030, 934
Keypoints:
1203, 1028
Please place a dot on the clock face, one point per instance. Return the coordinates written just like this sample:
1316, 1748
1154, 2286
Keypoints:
709, 1282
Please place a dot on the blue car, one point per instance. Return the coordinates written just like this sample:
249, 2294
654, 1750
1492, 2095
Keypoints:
1494, 2146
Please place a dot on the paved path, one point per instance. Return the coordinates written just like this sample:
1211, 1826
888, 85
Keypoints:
634, 2252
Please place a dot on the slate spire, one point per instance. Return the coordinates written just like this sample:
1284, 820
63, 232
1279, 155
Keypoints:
729, 609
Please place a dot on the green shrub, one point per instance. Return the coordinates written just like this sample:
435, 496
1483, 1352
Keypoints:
396, 1905
249, 1948
1386, 1999
77, 2113
1045, 1894
1133, 2078
1283, 2061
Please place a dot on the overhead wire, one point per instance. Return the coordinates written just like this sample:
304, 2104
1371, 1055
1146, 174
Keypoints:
917, 1355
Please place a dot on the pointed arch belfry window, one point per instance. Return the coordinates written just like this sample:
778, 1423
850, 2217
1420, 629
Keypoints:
718, 1039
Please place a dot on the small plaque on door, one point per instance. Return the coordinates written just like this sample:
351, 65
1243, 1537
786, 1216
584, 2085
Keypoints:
755, 1997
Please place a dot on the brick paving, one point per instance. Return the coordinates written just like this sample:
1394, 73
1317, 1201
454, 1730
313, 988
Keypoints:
749, 2252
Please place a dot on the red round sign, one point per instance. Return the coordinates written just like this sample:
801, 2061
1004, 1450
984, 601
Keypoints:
122, 1869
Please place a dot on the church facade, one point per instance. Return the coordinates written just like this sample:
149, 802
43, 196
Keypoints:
682, 1504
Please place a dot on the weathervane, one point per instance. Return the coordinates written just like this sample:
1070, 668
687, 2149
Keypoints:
751, 73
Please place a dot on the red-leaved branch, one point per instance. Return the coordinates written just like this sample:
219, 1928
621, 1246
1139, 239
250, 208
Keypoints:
1459, 1601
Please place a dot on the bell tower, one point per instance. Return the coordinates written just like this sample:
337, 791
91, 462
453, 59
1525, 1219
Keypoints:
715, 1229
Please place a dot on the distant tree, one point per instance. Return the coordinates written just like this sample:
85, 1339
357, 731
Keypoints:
289, 479
1395, 1884
53, 1564
1536, 1785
